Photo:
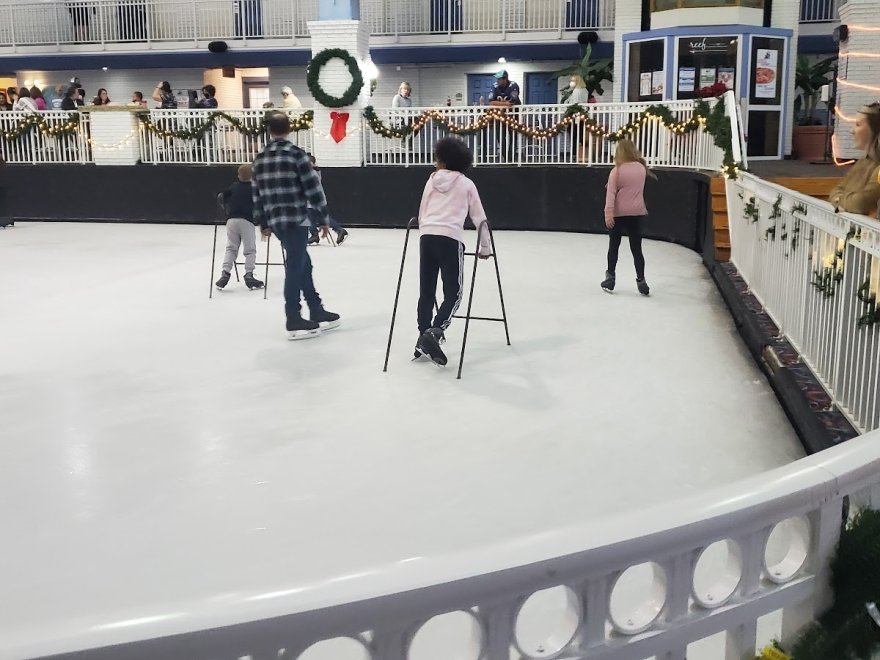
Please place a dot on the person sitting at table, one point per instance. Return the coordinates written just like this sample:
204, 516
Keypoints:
859, 191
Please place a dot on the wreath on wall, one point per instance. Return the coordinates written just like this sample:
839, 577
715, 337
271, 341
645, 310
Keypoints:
314, 72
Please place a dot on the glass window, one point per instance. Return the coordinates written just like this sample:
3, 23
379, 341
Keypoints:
663, 5
645, 70
704, 61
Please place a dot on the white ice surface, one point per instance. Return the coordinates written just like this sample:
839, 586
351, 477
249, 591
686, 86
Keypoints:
158, 447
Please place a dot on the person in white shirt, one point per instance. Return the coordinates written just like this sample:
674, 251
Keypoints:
579, 93
290, 101
25, 103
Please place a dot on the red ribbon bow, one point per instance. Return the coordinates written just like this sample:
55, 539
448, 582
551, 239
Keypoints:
337, 127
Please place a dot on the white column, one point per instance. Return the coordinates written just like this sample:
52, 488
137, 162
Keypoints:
786, 15
354, 37
627, 18
855, 70
115, 138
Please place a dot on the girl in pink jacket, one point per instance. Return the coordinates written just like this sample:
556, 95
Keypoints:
625, 211
448, 199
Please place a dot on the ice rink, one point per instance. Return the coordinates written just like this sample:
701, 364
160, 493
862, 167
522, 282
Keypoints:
161, 450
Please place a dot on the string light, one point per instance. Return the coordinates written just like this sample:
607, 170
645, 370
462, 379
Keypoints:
869, 88
844, 117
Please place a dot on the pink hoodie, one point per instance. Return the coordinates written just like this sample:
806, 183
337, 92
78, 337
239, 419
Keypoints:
448, 199
625, 192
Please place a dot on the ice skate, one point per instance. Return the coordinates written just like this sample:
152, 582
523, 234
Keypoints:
223, 281
325, 320
340, 236
643, 287
609, 282
429, 345
252, 282
300, 328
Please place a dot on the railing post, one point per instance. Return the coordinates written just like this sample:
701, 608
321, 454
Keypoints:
498, 628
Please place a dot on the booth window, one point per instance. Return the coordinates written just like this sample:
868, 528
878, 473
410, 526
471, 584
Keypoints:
646, 75
704, 61
663, 5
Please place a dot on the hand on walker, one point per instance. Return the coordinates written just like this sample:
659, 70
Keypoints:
325, 231
609, 223
266, 232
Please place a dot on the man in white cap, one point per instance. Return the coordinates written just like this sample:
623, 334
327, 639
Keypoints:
290, 101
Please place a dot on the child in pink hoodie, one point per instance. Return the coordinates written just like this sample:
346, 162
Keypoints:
448, 199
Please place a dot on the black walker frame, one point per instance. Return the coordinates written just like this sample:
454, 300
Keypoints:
468, 316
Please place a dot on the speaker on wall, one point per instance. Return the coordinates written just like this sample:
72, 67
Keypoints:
587, 38
218, 46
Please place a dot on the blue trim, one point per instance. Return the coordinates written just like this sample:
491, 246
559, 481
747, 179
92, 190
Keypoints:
429, 53
709, 31
817, 44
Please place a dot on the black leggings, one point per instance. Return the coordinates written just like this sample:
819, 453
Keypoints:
631, 225
443, 256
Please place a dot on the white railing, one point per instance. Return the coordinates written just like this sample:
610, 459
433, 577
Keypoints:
810, 267
641, 584
101, 22
497, 144
57, 23
819, 11
402, 17
47, 143
221, 144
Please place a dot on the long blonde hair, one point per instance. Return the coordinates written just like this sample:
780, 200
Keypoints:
627, 152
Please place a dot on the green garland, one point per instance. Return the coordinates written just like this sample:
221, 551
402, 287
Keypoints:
36, 122
712, 120
313, 73
751, 210
197, 132
871, 315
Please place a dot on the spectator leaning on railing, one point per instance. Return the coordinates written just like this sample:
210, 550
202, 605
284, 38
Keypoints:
859, 191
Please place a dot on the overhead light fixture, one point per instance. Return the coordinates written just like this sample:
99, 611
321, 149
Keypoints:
502, 60
104, 68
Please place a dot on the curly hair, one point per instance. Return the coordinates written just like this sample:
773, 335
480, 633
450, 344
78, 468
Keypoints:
454, 154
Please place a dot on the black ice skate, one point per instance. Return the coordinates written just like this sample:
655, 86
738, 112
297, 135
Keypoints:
252, 282
643, 287
314, 239
429, 345
340, 236
325, 320
609, 282
223, 281
300, 328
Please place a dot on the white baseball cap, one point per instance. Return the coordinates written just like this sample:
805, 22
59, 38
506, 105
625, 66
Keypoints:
286, 90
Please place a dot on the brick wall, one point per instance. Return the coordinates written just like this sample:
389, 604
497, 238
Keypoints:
859, 71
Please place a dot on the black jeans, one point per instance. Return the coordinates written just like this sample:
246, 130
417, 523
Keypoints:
444, 256
298, 271
631, 225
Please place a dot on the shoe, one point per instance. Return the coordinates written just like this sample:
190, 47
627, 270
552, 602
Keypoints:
340, 236
429, 344
608, 283
325, 320
643, 287
314, 239
252, 282
300, 328
223, 281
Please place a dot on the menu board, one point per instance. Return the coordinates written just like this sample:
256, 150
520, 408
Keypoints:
766, 73
686, 78
766, 70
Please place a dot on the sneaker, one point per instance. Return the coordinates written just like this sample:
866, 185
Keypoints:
429, 344
300, 328
340, 236
314, 239
252, 282
608, 283
643, 287
223, 281
326, 320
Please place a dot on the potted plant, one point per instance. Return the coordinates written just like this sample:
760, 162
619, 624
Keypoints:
809, 134
593, 73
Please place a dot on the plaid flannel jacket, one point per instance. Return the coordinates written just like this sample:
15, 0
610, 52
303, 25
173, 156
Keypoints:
284, 183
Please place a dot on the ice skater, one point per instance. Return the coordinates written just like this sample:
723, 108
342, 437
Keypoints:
625, 211
448, 199
314, 216
284, 183
240, 230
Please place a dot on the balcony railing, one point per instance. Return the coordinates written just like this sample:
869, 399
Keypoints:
817, 273
819, 11
100, 23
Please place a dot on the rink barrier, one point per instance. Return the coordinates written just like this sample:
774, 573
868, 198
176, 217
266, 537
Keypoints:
633, 585
817, 274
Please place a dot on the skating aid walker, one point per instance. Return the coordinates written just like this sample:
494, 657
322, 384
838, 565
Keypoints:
467, 317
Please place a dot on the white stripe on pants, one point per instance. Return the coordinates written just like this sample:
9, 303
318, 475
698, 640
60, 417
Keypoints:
238, 231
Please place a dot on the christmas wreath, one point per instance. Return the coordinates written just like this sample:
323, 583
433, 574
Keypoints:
314, 72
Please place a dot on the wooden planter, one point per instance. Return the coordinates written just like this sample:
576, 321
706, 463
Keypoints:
808, 142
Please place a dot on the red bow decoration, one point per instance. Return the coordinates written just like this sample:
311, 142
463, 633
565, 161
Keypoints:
337, 128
